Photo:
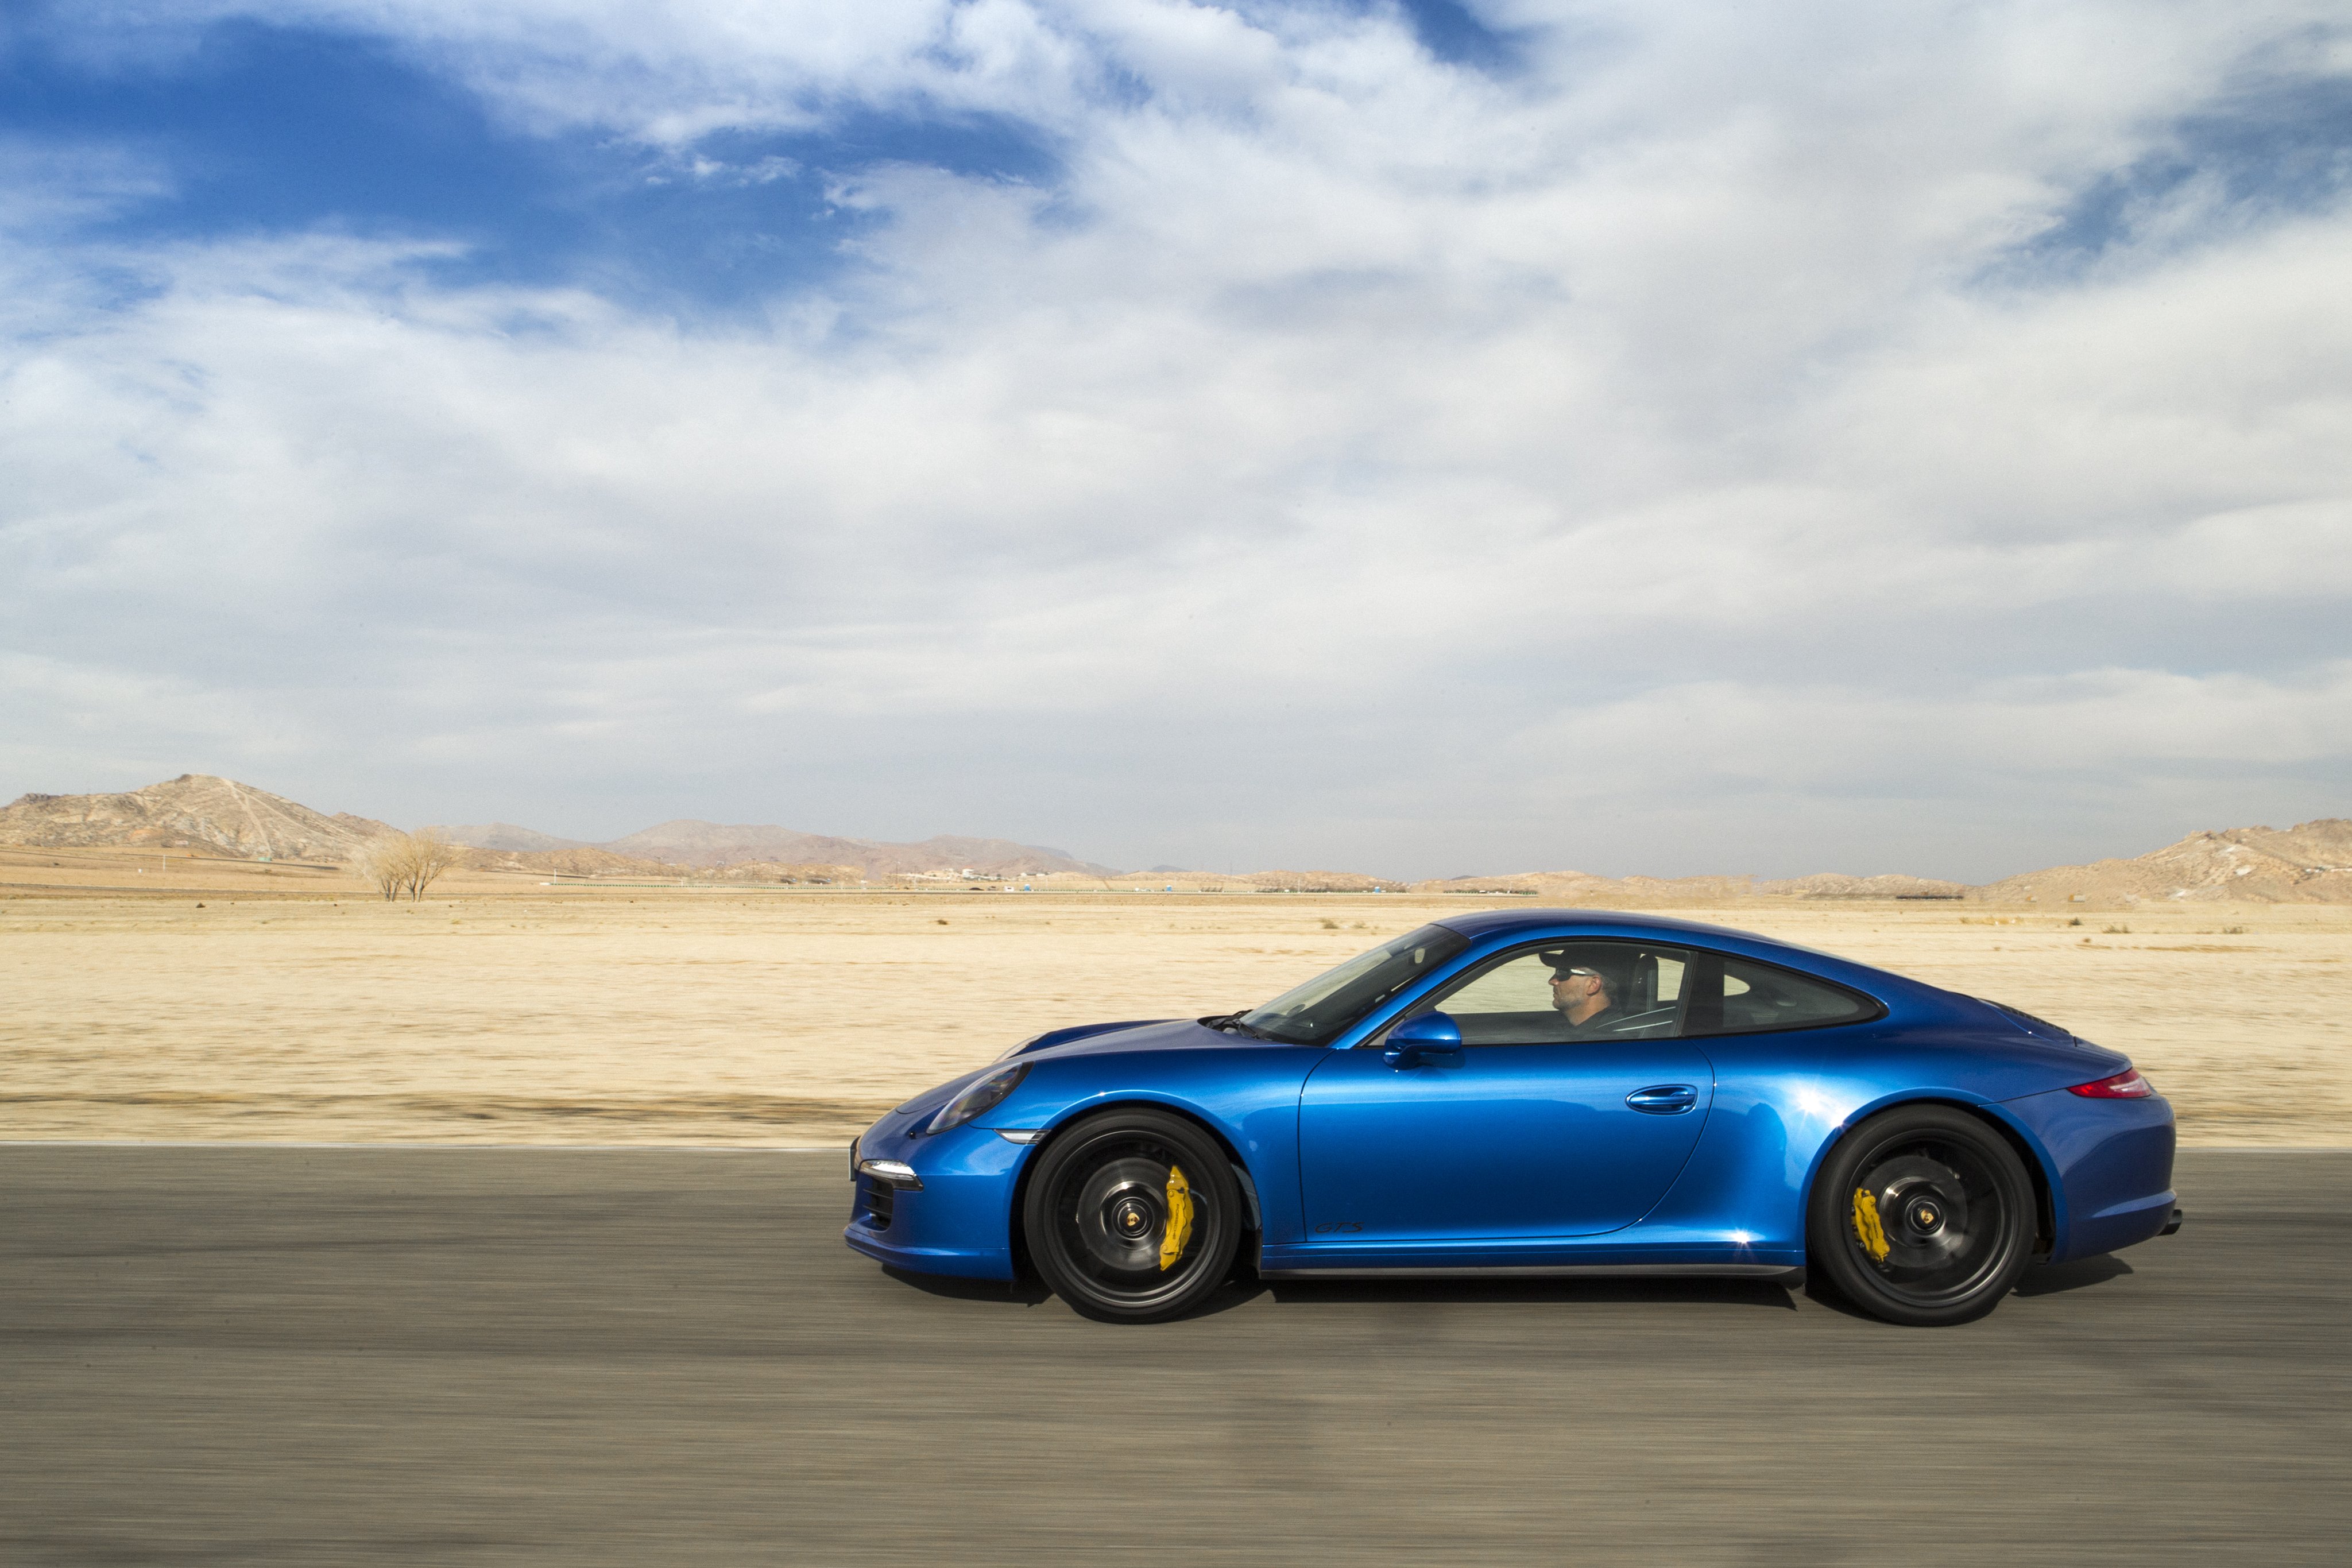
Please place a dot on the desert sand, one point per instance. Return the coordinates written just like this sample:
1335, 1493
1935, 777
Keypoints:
235, 1001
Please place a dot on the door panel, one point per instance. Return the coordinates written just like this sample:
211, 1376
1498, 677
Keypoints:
1512, 1141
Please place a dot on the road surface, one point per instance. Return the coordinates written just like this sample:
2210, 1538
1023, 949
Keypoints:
216, 1355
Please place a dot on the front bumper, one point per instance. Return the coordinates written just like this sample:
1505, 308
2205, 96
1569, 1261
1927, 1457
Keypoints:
958, 1222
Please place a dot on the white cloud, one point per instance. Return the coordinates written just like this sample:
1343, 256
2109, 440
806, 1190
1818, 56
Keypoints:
1650, 452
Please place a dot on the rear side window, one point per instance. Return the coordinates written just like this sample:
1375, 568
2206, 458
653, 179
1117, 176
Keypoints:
1740, 996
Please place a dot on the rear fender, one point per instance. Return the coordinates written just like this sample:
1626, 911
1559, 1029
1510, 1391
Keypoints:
2049, 1198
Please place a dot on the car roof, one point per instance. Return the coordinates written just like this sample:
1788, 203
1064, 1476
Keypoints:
1483, 922
1485, 926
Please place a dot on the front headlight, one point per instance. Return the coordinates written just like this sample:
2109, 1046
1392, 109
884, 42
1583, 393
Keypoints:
984, 1096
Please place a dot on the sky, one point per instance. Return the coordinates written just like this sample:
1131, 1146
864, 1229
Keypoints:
1425, 438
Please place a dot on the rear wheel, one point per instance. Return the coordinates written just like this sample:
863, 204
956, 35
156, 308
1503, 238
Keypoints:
1133, 1215
1923, 1215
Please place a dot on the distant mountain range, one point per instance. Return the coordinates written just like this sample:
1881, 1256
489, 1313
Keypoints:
714, 846
507, 836
198, 809
2308, 863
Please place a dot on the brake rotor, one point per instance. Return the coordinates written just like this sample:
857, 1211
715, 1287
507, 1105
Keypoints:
1921, 1207
1122, 1214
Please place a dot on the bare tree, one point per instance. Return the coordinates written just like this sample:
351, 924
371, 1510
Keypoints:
429, 854
406, 863
384, 861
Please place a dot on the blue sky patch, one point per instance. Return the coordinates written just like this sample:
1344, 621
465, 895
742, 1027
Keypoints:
2283, 151
261, 130
1453, 32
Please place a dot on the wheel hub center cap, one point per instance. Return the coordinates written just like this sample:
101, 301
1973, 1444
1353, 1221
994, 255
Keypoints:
1131, 1217
1926, 1217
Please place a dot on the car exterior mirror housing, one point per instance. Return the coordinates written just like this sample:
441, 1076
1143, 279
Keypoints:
1424, 1037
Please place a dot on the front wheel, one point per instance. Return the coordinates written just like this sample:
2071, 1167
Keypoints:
1132, 1216
1922, 1215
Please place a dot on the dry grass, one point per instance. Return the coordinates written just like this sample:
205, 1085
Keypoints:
498, 1013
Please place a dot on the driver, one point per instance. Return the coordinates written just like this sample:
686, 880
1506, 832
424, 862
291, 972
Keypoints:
1589, 990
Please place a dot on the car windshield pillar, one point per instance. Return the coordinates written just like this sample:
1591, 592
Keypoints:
1326, 1007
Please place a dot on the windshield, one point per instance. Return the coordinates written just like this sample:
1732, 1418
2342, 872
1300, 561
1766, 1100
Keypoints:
1324, 1005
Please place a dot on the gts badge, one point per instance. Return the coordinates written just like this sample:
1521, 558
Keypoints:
1340, 1227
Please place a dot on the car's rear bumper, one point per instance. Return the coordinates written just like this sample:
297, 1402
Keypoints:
958, 1222
2112, 1165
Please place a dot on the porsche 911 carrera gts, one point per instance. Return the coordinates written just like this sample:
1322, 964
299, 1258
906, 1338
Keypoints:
1535, 1091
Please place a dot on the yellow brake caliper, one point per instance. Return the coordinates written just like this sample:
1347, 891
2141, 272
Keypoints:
1180, 1218
1866, 1224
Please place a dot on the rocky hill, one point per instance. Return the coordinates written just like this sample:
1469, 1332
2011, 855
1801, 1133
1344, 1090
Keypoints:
2308, 863
194, 810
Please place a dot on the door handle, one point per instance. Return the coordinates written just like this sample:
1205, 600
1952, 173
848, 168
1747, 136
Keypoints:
1664, 1099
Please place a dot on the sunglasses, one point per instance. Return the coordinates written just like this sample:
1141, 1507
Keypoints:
1560, 975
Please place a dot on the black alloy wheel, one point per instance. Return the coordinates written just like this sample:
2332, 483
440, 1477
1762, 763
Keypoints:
1132, 1216
1923, 1215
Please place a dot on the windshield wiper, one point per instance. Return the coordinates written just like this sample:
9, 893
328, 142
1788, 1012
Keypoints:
1222, 1021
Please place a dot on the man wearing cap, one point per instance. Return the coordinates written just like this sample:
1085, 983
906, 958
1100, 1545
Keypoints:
1587, 990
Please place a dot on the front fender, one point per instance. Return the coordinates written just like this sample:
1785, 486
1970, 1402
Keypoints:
1247, 1095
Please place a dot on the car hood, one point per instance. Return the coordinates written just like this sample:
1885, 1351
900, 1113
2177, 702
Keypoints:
1084, 1040
1155, 1034
1053, 1038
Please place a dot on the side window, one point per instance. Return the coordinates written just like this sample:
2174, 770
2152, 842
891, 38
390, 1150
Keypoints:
1566, 992
1739, 996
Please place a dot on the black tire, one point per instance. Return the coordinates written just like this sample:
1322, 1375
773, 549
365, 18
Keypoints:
1098, 1209
1952, 1207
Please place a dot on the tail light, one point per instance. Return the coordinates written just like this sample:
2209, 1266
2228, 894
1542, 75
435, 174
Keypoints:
2125, 1085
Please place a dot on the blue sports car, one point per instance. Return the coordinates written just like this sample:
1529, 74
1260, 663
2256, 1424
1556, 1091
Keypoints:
1535, 1091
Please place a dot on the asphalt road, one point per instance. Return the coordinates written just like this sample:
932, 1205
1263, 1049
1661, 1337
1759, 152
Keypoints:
327, 1357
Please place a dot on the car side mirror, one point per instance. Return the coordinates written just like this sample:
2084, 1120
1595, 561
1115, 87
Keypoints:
1424, 1038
